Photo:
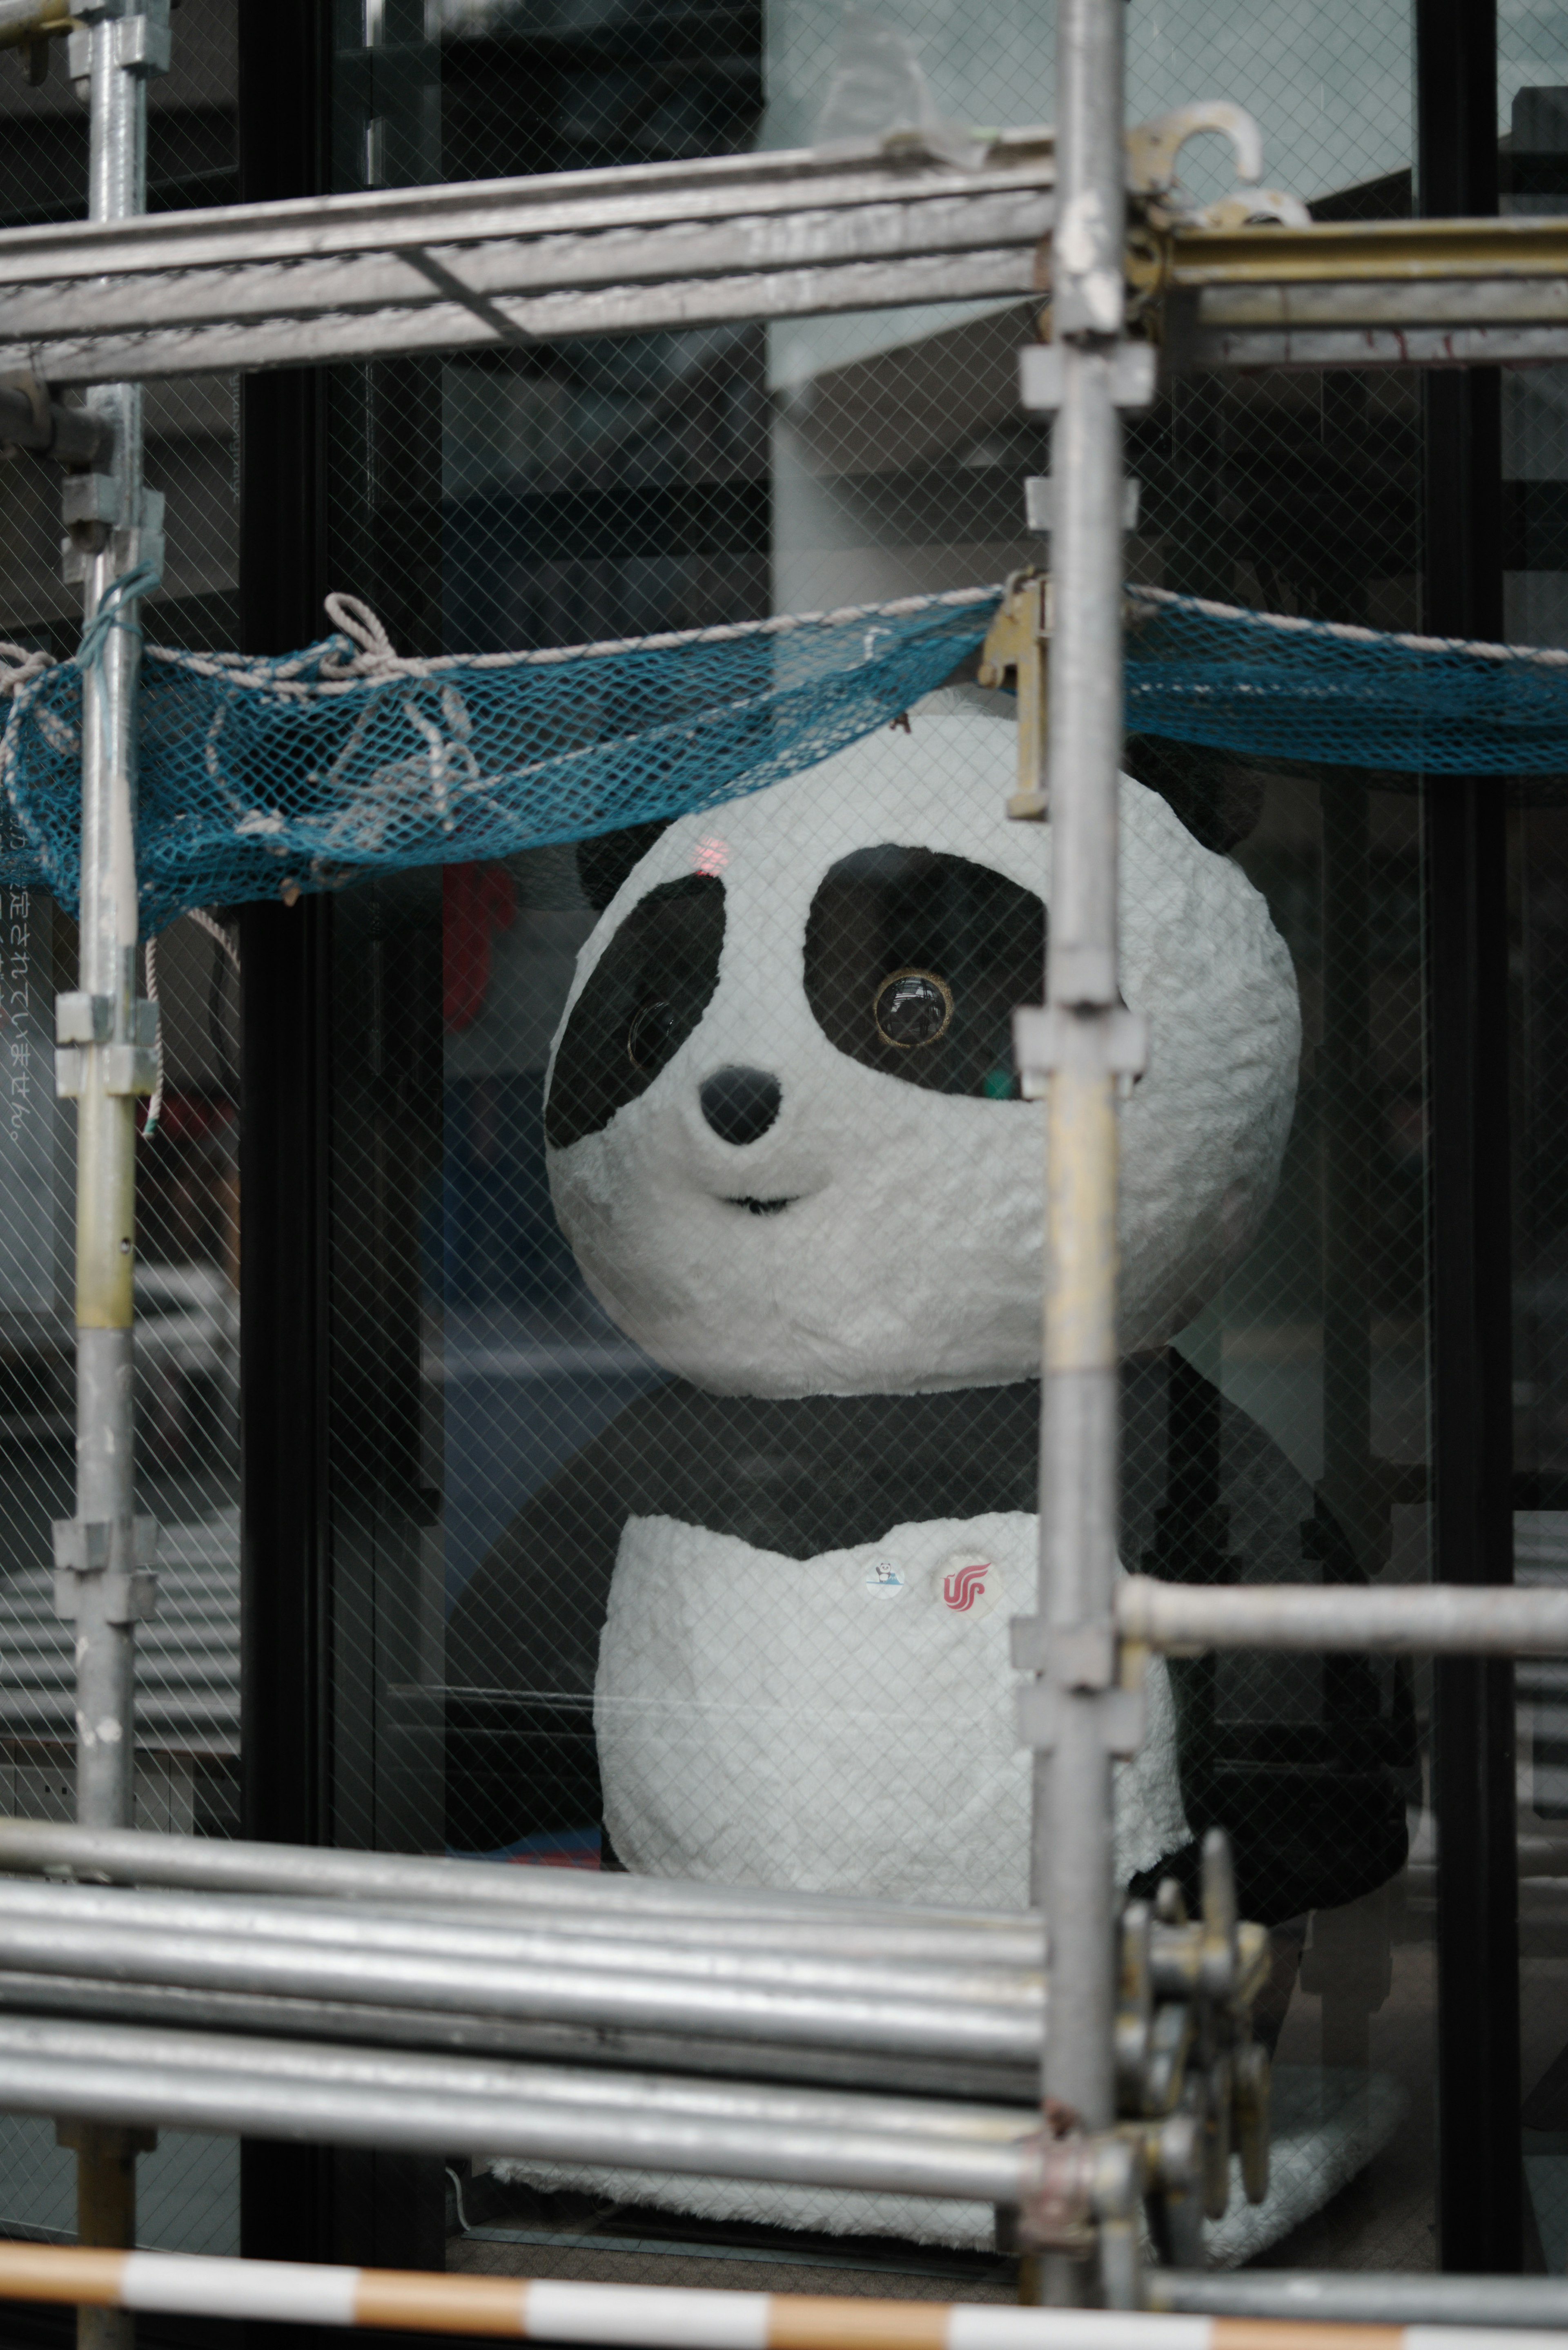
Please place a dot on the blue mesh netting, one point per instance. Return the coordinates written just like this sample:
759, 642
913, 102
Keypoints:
258, 776
1273, 687
304, 772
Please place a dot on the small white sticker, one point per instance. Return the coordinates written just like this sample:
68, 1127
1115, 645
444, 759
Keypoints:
967, 1585
884, 1581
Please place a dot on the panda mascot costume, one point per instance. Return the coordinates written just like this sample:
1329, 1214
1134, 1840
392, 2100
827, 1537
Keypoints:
787, 1146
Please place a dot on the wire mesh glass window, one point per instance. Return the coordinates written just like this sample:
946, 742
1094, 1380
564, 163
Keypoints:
1533, 140
685, 1270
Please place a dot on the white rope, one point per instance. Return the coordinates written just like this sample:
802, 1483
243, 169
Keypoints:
1347, 632
214, 929
377, 663
19, 662
353, 618
155, 1107
374, 661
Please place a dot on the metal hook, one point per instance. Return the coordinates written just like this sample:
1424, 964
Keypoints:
1153, 147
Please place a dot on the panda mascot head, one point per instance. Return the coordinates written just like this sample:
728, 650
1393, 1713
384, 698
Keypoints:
785, 1137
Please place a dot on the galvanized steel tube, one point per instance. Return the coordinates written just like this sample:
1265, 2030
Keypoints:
1401, 1619
860, 2010
435, 2105
364, 2024
102, 1540
635, 1907
1366, 2297
106, 1170
677, 2317
1078, 1470
567, 2087
113, 1913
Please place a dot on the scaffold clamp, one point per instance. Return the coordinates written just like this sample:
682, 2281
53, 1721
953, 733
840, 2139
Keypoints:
143, 42
1119, 1715
1048, 1037
83, 1548
1135, 376
94, 508
128, 1065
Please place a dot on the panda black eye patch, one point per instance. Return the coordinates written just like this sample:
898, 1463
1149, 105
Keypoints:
649, 988
914, 961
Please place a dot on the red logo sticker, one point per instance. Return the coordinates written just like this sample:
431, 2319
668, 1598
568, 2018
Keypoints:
960, 1590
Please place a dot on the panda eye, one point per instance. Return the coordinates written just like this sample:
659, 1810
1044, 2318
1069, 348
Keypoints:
912, 1008
649, 1034
914, 961
644, 997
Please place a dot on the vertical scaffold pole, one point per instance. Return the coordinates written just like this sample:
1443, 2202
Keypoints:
1080, 1402
103, 1555
1079, 1049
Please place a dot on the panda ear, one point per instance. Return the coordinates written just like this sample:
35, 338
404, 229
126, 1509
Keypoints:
604, 862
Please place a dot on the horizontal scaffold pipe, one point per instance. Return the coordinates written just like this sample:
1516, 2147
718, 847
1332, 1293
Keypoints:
514, 261
664, 2317
720, 188
72, 436
451, 2031
736, 190
1369, 294
425, 2104
1366, 2296
652, 1906
427, 277
1346, 252
732, 238
1388, 302
1225, 350
1401, 1619
500, 322
327, 1950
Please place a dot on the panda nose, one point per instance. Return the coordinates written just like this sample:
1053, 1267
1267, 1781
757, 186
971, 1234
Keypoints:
740, 1105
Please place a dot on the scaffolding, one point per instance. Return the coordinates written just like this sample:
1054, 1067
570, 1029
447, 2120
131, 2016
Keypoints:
154, 1990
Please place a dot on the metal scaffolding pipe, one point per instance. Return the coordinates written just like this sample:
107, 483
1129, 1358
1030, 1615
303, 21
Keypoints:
465, 215
1365, 2297
563, 254
431, 2105
101, 1586
100, 1560
864, 2011
503, 322
1080, 1402
365, 2024
908, 223
563, 2088
577, 1934
1402, 1619
72, 436
116, 1915
676, 2317
616, 1904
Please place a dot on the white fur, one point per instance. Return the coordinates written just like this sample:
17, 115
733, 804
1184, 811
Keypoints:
910, 1257
1326, 2127
834, 1723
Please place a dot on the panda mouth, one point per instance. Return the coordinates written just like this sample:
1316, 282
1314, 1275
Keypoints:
754, 1207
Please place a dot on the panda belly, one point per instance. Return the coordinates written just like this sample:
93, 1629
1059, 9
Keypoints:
843, 1723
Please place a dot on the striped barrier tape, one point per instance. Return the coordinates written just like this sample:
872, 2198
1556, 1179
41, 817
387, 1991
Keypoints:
662, 2317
